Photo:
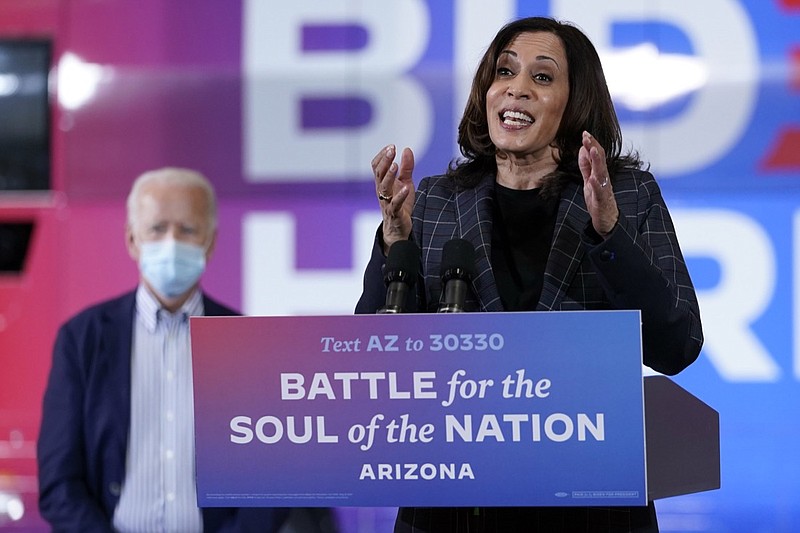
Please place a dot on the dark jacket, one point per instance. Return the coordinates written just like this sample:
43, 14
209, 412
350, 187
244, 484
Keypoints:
640, 265
83, 439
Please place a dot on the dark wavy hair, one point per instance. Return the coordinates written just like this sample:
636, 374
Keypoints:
589, 108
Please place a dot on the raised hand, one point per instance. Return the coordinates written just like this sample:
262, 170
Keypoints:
395, 189
597, 188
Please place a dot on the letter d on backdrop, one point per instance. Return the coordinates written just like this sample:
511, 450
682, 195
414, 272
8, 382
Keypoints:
724, 43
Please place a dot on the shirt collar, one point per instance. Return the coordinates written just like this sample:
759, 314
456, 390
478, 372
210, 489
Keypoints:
148, 307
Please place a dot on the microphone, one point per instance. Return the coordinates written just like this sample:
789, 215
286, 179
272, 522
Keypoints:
458, 267
402, 267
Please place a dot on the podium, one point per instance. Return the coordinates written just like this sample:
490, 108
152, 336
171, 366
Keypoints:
682, 440
469, 409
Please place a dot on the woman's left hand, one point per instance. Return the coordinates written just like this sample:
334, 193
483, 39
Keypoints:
597, 190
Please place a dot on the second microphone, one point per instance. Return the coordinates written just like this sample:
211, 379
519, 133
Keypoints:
458, 268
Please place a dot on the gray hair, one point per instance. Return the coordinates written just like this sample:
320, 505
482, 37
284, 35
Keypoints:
173, 176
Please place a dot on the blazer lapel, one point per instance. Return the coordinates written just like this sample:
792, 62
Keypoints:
474, 211
567, 249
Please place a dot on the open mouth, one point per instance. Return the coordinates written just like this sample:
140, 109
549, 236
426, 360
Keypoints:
516, 118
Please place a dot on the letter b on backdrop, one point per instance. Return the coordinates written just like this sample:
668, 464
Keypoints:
325, 87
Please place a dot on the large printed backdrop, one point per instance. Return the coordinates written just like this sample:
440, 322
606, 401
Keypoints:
284, 104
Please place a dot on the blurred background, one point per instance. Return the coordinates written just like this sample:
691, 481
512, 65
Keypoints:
283, 104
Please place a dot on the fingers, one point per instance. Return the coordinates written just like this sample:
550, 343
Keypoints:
387, 172
406, 166
397, 216
382, 161
592, 162
394, 187
597, 187
403, 189
398, 199
382, 165
584, 163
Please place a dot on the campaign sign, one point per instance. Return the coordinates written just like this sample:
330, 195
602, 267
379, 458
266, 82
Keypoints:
472, 409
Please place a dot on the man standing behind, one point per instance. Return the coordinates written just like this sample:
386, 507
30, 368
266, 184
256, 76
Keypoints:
116, 445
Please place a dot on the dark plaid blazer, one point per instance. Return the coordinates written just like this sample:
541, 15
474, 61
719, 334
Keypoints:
640, 265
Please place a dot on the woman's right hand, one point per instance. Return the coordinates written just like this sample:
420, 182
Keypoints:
395, 189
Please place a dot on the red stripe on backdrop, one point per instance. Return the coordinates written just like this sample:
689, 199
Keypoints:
794, 67
786, 151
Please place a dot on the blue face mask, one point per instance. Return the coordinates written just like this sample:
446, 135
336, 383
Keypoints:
171, 267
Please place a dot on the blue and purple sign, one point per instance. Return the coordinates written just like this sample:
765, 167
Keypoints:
427, 410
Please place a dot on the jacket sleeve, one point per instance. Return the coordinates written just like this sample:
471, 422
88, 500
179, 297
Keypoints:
65, 499
373, 294
374, 290
641, 267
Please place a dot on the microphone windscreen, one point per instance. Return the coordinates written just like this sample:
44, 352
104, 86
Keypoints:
402, 263
458, 255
